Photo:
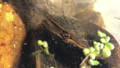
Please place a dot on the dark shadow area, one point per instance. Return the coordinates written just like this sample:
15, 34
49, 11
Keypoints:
66, 54
27, 59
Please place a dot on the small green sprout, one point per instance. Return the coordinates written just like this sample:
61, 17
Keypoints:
96, 53
110, 45
46, 51
101, 34
103, 40
44, 44
99, 49
86, 51
92, 49
106, 52
92, 56
101, 46
96, 45
40, 43
93, 62
107, 38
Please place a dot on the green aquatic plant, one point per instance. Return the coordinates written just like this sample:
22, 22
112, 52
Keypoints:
102, 48
44, 45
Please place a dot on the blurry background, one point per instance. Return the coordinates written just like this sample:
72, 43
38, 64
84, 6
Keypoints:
111, 15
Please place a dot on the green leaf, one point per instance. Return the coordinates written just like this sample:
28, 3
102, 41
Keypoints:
97, 48
46, 51
96, 45
106, 53
45, 44
96, 63
110, 45
96, 53
103, 40
92, 55
92, 49
107, 38
101, 46
86, 51
93, 62
40, 43
101, 34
